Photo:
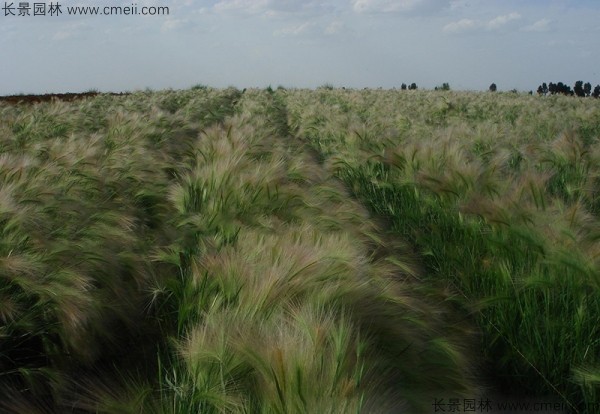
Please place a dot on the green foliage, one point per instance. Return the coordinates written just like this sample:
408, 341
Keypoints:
497, 196
197, 250
84, 208
327, 87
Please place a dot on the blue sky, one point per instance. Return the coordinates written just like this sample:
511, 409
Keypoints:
353, 43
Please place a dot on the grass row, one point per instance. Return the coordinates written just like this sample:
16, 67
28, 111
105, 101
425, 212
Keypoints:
83, 209
500, 196
176, 252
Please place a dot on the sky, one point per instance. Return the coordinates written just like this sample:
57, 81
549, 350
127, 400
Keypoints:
517, 44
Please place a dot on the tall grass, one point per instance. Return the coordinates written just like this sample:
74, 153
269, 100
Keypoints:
499, 196
285, 251
284, 308
84, 207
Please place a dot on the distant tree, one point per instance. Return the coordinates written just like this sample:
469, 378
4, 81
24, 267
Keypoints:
403, 86
587, 89
542, 89
596, 93
568, 91
530, 92
493, 87
445, 87
563, 89
413, 86
578, 88
552, 88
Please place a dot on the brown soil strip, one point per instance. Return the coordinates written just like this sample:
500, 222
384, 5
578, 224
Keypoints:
31, 99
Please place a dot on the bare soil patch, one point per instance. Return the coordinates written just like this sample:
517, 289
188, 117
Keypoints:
31, 99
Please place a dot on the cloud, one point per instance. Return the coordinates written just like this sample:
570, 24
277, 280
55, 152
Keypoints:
470, 25
459, 4
246, 6
542, 25
501, 21
174, 24
461, 26
312, 28
272, 8
402, 6
295, 30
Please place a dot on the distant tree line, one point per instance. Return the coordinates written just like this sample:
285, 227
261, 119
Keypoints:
411, 87
580, 89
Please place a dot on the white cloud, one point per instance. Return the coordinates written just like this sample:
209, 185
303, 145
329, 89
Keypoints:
391, 6
247, 6
271, 8
312, 28
542, 25
461, 26
503, 20
296, 29
469, 25
174, 24
459, 4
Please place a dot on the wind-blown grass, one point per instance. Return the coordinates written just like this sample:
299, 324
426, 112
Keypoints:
297, 251
499, 195
180, 252
84, 207
313, 322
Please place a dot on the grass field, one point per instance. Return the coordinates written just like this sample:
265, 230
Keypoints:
298, 251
